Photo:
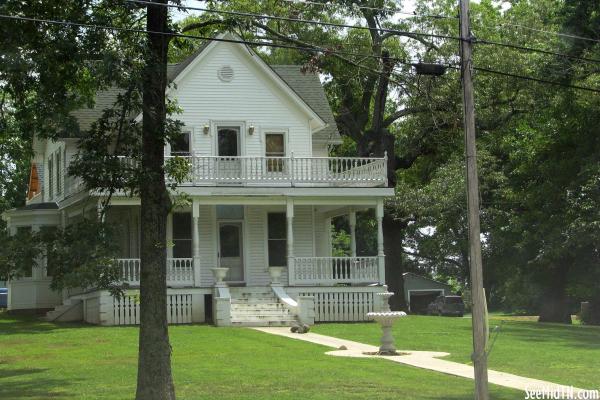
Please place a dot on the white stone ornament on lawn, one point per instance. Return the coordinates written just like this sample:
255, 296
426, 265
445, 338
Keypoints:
386, 320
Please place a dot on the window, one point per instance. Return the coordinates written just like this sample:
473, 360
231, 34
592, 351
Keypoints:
23, 233
227, 141
51, 262
180, 146
50, 178
274, 147
58, 172
277, 239
182, 235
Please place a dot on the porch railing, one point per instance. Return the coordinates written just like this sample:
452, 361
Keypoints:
180, 271
332, 270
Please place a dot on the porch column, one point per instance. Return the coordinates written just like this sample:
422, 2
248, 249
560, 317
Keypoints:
196, 241
290, 241
352, 219
380, 253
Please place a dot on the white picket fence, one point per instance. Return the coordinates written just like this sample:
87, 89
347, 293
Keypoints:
126, 310
342, 303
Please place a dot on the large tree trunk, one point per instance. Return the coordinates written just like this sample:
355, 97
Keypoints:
154, 381
555, 302
393, 234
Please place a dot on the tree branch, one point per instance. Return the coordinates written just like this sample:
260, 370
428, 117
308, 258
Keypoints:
402, 113
448, 260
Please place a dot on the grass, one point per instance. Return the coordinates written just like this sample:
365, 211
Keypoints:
69, 361
568, 355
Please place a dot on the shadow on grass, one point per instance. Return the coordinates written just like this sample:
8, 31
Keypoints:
573, 336
35, 388
16, 324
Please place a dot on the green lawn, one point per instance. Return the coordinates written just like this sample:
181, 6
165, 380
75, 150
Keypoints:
568, 355
68, 361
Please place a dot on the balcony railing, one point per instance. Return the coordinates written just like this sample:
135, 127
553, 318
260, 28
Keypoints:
322, 171
332, 270
180, 271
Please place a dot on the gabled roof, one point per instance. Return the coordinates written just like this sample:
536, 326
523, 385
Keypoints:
306, 86
416, 276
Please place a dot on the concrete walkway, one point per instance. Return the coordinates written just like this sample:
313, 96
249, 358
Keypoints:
422, 359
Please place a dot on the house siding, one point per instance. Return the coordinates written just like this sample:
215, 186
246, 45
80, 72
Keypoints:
208, 244
250, 98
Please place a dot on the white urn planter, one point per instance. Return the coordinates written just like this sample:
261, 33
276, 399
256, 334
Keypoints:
219, 274
275, 274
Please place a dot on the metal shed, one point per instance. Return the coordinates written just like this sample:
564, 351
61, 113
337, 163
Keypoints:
419, 291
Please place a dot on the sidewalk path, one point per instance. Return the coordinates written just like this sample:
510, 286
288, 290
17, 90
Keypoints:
421, 359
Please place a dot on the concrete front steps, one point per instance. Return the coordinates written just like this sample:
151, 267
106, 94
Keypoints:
70, 310
258, 307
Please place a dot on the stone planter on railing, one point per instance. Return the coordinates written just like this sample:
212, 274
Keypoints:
275, 274
219, 274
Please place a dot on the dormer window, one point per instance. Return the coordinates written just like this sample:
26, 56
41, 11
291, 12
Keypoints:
181, 145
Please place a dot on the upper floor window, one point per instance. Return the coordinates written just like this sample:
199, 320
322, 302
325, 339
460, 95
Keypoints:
50, 178
181, 145
228, 141
58, 172
274, 149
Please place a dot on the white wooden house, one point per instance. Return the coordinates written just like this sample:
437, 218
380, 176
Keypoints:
263, 190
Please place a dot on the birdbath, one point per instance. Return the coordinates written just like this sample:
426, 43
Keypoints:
386, 299
386, 320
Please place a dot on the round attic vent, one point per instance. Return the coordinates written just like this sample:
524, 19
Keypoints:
225, 73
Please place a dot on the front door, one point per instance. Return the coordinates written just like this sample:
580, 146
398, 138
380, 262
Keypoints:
228, 148
231, 250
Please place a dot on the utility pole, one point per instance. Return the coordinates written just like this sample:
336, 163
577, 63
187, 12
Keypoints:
475, 264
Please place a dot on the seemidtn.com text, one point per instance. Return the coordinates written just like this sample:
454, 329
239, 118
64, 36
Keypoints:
561, 393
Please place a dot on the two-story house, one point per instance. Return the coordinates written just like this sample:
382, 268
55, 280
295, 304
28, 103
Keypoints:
254, 246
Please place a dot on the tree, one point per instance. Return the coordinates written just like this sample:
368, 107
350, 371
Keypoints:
155, 379
48, 70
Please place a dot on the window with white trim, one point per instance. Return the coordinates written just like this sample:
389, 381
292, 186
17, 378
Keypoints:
277, 239
274, 151
50, 177
58, 172
182, 235
181, 145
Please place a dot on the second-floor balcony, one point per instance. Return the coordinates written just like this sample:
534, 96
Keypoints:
292, 171
266, 171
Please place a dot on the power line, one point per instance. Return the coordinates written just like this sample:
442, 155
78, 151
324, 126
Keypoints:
316, 49
535, 50
560, 34
383, 9
530, 78
300, 20
406, 33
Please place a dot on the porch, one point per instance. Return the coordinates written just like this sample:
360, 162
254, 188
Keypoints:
250, 238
